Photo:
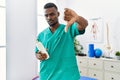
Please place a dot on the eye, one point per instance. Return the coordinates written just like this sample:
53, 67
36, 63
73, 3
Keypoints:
46, 15
52, 14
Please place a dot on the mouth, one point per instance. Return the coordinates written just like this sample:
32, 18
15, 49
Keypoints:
50, 21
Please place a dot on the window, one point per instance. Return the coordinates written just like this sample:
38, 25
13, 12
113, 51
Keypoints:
2, 40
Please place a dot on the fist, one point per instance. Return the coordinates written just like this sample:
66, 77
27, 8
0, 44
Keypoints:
70, 16
41, 56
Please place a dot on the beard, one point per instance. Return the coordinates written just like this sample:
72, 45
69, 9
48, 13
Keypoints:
52, 24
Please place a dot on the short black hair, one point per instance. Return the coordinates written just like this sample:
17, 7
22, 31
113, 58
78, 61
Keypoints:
49, 5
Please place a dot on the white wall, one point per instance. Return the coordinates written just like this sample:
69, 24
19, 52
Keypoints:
108, 10
21, 34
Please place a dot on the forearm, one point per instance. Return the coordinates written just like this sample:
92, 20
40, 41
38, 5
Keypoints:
82, 23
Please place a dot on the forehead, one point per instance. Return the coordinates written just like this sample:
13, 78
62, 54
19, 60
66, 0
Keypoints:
50, 10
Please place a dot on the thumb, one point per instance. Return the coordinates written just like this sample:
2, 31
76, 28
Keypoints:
69, 23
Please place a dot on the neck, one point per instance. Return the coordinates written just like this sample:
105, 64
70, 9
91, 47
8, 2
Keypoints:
53, 28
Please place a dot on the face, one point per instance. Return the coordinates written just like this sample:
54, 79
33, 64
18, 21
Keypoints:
51, 15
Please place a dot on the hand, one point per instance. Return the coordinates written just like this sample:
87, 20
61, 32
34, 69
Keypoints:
41, 56
70, 16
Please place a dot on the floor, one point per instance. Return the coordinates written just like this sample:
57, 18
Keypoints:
82, 78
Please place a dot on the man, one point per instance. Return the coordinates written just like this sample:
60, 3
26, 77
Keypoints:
58, 41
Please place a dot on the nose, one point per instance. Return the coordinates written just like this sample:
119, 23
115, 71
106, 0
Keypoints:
48, 17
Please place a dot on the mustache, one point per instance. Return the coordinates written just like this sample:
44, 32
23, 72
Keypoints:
50, 20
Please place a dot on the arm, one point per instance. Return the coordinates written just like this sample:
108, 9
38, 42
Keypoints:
82, 23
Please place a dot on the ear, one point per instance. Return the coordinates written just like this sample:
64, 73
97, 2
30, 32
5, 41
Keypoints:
58, 14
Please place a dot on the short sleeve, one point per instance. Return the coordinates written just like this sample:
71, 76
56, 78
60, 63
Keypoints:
74, 30
38, 38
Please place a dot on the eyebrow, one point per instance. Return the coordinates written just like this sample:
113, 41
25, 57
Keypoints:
49, 14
